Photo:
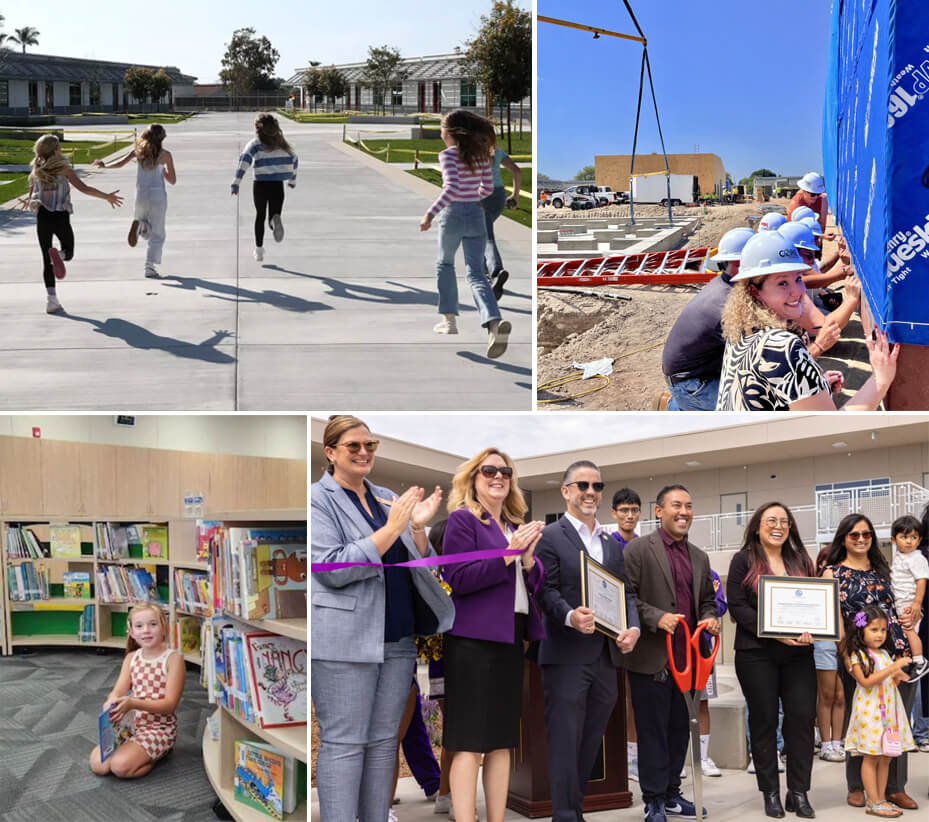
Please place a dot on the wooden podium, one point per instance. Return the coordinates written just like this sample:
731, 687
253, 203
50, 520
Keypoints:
529, 790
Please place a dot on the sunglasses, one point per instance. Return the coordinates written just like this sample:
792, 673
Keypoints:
858, 536
490, 471
354, 447
583, 485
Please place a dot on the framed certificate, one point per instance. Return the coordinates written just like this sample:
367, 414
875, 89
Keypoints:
605, 595
790, 606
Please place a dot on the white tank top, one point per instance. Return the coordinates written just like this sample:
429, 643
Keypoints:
150, 180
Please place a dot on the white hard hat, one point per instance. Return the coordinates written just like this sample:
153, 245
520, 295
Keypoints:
813, 183
771, 221
801, 212
769, 253
731, 244
799, 234
813, 223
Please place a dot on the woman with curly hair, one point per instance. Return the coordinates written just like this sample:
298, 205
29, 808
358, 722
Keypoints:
495, 612
766, 366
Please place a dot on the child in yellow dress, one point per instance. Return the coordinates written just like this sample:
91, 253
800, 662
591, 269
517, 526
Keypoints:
877, 706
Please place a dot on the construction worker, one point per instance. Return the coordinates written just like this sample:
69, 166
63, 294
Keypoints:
812, 194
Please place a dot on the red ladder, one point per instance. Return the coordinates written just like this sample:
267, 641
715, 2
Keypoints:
686, 265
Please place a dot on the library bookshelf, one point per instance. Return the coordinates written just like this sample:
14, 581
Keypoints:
219, 754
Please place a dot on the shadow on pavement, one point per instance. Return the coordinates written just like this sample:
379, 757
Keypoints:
138, 337
278, 299
14, 219
502, 366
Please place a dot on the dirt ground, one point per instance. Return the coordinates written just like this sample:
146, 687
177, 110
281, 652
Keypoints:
575, 328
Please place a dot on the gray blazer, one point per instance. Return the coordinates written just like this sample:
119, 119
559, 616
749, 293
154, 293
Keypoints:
347, 607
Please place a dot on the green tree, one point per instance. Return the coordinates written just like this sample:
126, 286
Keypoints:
159, 85
248, 64
382, 72
26, 36
138, 81
334, 85
749, 182
314, 84
500, 57
586, 173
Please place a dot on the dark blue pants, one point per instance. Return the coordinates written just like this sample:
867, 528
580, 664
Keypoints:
662, 726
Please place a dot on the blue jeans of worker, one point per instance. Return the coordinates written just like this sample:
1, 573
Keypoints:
358, 707
462, 224
493, 207
695, 394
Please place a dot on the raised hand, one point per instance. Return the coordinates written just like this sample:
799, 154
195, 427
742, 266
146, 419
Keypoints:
883, 359
401, 509
426, 509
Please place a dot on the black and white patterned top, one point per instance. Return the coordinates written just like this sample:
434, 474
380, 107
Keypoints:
767, 371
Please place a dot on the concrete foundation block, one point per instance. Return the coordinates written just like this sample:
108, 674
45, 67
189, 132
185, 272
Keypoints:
547, 236
622, 243
577, 244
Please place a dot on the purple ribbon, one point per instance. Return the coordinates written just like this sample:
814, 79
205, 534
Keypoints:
424, 562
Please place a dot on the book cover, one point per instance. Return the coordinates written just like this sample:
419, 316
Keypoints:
112, 735
77, 584
288, 581
209, 539
277, 672
154, 541
259, 778
65, 540
188, 634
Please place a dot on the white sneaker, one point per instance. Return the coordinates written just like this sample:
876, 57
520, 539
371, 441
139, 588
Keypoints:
497, 339
150, 271
391, 816
751, 764
258, 253
447, 325
52, 306
683, 772
923, 746
709, 767
277, 227
781, 759
443, 804
634, 770
832, 754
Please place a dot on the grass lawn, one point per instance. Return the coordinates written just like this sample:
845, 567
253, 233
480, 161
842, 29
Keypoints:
401, 151
315, 117
17, 188
522, 214
20, 151
160, 118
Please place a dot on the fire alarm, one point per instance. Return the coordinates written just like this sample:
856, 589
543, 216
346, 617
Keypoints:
123, 419
36, 432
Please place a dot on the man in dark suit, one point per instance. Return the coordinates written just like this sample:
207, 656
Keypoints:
670, 578
578, 663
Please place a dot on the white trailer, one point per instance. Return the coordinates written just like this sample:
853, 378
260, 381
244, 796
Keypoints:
653, 188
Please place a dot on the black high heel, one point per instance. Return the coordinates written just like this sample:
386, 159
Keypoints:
772, 804
796, 802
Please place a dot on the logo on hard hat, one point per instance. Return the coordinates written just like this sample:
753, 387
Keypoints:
788, 252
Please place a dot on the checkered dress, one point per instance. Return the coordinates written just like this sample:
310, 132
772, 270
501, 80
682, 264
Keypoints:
154, 733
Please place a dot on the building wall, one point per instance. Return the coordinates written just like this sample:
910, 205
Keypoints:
613, 169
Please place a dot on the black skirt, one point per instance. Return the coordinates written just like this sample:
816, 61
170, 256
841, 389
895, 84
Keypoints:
483, 692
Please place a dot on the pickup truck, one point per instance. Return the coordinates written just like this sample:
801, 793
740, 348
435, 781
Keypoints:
576, 197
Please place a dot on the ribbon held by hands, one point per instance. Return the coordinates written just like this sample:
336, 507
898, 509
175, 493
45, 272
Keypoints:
424, 562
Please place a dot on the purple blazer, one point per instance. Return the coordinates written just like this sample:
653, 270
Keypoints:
483, 591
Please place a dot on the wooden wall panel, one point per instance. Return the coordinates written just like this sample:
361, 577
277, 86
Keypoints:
132, 482
194, 473
21, 490
98, 480
164, 483
224, 483
61, 477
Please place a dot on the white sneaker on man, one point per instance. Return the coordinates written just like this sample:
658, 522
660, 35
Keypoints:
447, 325
751, 764
708, 766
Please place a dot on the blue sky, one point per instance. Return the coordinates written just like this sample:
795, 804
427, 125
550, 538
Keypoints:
741, 79
192, 34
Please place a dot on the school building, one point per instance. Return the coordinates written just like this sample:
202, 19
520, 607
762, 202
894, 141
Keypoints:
821, 466
434, 83
47, 84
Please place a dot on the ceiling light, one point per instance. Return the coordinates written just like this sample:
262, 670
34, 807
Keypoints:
840, 445
691, 463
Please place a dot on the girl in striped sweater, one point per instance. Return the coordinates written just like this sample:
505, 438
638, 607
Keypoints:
50, 197
466, 180
275, 163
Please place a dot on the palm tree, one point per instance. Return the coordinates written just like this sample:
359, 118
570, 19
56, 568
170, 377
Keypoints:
26, 36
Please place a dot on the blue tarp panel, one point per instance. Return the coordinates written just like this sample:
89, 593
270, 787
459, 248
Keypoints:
876, 154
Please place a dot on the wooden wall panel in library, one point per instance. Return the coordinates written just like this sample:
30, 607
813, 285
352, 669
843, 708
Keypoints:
61, 477
194, 475
132, 481
164, 489
20, 475
98, 479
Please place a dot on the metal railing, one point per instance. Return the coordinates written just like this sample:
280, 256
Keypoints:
882, 504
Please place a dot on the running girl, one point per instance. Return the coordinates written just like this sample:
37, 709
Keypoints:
50, 197
466, 180
156, 165
155, 675
275, 162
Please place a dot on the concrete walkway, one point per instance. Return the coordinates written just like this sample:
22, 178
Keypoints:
339, 315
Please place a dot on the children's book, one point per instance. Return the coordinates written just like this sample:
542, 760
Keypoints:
277, 671
264, 778
65, 540
113, 735
209, 539
77, 584
154, 541
188, 629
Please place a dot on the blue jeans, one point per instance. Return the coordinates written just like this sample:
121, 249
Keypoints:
920, 720
695, 394
359, 706
493, 208
462, 224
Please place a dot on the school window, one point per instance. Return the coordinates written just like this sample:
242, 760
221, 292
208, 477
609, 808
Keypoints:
4, 93
468, 93
74, 94
396, 95
94, 93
